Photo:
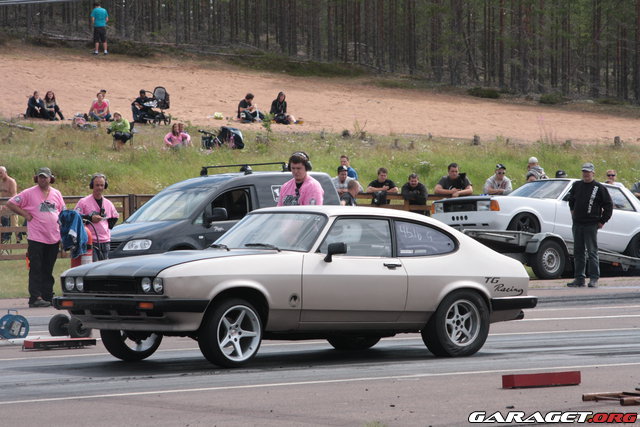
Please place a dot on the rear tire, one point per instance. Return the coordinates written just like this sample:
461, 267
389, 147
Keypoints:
130, 346
231, 334
633, 249
459, 327
352, 342
549, 262
525, 222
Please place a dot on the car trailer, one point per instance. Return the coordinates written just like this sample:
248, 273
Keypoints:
547, 254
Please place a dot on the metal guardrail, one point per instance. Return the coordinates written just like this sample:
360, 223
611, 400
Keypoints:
15, 248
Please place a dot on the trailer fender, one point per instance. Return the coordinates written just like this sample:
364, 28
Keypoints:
533, 245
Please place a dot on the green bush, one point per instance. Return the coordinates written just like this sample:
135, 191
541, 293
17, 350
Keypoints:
552, 98
610, 101
484, 92
129, 48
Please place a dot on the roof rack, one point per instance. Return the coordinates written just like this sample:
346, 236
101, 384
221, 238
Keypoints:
244, 167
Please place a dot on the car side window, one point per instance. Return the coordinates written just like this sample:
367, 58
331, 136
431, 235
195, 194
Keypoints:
363, 236
421, 240
237, 202
620, 201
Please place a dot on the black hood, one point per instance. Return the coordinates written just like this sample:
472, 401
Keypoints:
152, 265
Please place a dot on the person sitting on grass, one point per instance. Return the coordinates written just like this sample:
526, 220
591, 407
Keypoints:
36, 108
175, 138
51, 106
121, 130
99, 110
279, 110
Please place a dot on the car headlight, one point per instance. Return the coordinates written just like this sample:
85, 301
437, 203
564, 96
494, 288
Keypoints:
80, 284
137, 245
69, 283
158, 286
146, 285
483, 205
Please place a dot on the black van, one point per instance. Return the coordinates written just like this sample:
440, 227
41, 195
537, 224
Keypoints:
183, 215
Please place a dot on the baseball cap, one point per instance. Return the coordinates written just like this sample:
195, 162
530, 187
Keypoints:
501, 166
588, 167
44, 171
343, 168
533, 160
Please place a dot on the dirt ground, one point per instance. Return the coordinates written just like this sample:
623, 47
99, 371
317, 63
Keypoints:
200, 89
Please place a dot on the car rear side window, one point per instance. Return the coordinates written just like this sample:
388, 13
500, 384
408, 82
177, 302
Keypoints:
620, 201
363, 236
421, 240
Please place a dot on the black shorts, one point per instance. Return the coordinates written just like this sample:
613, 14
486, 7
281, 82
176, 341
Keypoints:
99, 34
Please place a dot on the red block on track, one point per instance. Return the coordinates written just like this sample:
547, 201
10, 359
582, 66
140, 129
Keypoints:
46, 344
547, 379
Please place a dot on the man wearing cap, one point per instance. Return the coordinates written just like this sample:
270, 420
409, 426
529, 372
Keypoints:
498, 183
591, 207
40, 205
342, 180
534, 169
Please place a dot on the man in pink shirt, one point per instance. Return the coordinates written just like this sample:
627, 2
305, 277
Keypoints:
101, 213
302, 189
40, 205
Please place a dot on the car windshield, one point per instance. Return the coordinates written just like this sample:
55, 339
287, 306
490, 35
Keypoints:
287, 231
170, 205
541, 189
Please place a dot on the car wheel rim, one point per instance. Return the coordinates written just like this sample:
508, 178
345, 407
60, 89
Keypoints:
463, 323
239, 333
139, 344
550, 260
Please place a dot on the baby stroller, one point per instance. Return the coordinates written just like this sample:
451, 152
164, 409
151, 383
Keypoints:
228, 136
159, 100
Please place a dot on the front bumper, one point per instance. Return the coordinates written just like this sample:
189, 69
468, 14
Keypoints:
513, 303
142, 304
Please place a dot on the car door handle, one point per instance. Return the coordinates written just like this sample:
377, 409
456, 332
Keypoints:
391, 266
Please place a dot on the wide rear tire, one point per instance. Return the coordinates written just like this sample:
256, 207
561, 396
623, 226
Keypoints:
459, 327
231, 334
130, 346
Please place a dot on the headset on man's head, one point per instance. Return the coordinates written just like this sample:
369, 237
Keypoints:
98, 175
300, 157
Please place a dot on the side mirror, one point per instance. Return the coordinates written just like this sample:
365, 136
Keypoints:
335, 249
212, 214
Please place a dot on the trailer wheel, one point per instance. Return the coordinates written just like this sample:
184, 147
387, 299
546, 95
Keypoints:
549, 261
77, 330
59, 325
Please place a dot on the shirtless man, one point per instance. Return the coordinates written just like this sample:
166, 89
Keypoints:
8, 188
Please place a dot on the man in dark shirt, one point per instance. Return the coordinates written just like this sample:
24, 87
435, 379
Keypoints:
382, 183
414, 191
248, 111
138, 108
591, 207
454, 184
349, 198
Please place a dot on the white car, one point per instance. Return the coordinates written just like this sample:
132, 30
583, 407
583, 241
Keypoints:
351, 275
542, 206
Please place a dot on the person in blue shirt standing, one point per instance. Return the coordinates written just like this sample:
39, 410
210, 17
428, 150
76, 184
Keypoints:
99, 19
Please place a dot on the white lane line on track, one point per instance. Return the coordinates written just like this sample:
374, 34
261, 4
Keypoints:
544, 319
300, 383
596, 307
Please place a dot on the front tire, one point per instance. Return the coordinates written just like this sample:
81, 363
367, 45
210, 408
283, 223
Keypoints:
459, 327
352, 342
549, 262
525, 222
231, 334
130, 346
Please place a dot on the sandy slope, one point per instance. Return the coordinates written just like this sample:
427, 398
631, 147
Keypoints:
198, 90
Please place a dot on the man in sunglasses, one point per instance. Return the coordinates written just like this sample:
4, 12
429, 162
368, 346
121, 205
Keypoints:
611, 178
498, 183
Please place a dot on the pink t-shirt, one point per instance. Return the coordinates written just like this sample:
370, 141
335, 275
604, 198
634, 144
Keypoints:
87, 206
310, 193
172, 140
43, 227
100, 108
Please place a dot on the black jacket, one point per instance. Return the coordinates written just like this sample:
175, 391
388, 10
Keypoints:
417, 195
590, 203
